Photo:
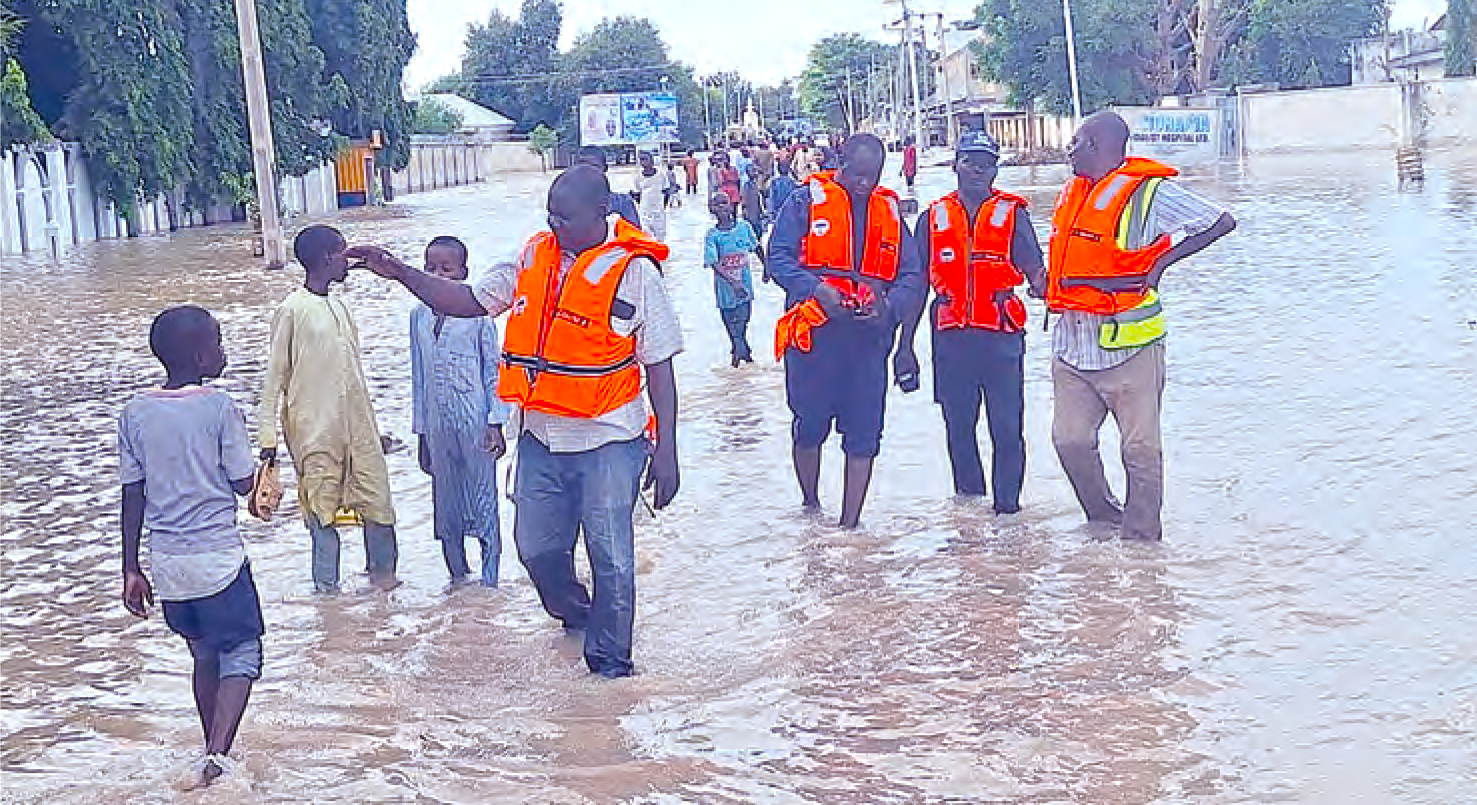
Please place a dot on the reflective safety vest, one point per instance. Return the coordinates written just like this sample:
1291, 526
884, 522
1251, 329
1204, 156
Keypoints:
970, 267
560, 354
1090, 231
826, 248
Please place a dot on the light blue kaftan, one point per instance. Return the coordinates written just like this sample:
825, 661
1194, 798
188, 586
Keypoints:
453, 365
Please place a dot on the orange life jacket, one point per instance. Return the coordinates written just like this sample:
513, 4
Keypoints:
970, 269
560, 355
826, 248
1085, 241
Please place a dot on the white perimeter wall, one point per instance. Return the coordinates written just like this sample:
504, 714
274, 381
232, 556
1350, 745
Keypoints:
1332, 119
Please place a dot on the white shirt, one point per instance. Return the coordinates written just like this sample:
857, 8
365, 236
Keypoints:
1176, 211
658, 335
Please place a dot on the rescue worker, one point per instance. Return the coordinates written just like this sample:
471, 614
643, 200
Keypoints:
1119, 223
847, 262
979, 246
590, 319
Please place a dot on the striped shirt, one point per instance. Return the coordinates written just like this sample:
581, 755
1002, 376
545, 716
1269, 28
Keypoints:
1176, 211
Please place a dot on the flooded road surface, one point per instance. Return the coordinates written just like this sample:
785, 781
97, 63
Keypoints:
1304, 634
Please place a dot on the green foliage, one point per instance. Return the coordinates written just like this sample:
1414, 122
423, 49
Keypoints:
508, 64
1461, 38
1305, 43
1121, 60
541, 141
1025, 48
434, 117
824, 94
366, 45
19, 123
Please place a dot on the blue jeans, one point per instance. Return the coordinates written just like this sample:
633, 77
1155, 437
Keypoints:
379, 547
560, 495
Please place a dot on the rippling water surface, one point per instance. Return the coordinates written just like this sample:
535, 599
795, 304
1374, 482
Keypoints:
1305, 633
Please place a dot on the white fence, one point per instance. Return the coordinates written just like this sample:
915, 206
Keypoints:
47, 202
437, 162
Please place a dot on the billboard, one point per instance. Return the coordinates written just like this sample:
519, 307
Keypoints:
1176, 135
628, 118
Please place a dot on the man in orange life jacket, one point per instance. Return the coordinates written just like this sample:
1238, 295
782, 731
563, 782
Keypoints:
589, 312
979, 245
1119, 223
840, 245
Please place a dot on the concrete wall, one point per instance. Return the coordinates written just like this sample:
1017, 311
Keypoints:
1449, 107
1440, 113
48, 204
1331, 119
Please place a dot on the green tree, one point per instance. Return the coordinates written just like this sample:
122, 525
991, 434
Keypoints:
1305, 43
434, 117
1461, 38
19, 123
366, 45
111, 75
542, 141
509, 65
833, 87
1025, 48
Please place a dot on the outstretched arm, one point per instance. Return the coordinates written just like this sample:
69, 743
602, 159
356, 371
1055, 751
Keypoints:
136, 590
442, 295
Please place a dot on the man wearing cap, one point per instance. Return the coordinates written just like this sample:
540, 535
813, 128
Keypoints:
980, 246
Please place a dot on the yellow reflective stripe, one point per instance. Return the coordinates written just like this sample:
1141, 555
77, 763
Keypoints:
1137, 213
1142, 325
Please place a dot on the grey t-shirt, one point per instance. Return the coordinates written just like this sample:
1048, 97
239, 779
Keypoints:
186, 445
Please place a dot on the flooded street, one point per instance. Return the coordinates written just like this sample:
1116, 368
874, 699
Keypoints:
1306, 632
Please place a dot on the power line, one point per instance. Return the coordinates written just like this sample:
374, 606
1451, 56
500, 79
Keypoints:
485, 79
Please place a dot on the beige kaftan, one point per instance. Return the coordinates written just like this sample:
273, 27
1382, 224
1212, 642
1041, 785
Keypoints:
315, 379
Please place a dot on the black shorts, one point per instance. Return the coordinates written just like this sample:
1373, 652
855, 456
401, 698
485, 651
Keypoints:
222, 621
844, 378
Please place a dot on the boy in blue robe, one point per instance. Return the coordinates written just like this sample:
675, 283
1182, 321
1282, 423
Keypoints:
459, 419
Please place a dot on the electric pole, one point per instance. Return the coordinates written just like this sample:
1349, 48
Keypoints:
950, 136
259, 120
913, 74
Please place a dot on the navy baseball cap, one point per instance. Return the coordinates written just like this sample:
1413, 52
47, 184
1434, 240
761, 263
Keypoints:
977, 142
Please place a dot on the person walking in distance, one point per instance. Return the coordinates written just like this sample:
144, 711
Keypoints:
910, 161
849, 268
980, 246
589, 323
1119, 223
649, 191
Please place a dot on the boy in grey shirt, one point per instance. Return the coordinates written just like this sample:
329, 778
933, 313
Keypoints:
184, 455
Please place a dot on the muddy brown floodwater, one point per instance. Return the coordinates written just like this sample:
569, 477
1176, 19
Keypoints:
1306, 633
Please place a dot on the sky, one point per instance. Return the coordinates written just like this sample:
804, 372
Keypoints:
764, 40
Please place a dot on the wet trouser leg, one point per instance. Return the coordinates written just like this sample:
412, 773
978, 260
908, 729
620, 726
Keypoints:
961, 409
610, 482
1133, 392
326, 551
736, 322
380, 545
1005, 406
454, 551
545, 527
1078, 412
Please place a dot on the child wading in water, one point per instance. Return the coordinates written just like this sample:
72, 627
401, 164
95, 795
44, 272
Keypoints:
727, 251
459, 418
184, 455
315, 380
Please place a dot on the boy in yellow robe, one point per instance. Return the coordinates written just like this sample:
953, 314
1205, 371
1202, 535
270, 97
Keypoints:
314, 379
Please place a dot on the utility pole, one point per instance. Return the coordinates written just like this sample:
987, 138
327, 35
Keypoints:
707, 118
850, 104
1072, 63
259, 118
913, 74
950, 134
